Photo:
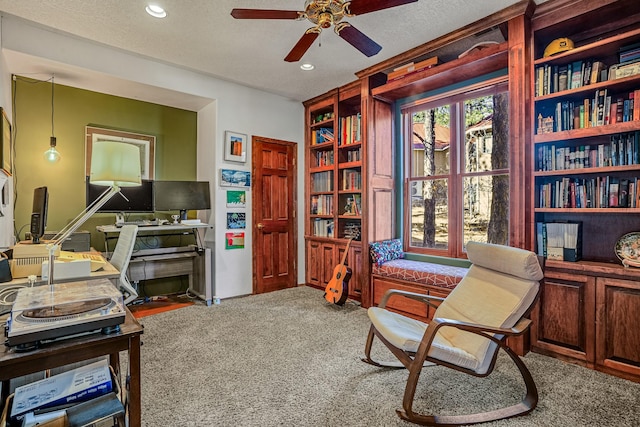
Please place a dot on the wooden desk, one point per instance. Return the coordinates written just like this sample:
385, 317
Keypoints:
72, 350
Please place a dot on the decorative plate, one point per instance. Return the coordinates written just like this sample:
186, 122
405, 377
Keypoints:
628, 249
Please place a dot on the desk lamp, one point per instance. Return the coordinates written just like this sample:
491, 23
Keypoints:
113, 165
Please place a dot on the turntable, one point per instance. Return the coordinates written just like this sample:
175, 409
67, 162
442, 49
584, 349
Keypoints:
40, 314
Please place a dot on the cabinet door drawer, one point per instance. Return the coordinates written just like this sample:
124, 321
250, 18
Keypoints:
402, 305
564, 317
617, 331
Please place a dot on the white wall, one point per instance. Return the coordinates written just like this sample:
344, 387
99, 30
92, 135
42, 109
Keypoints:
227, 106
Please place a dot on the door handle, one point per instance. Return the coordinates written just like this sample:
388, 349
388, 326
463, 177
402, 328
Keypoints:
260, 225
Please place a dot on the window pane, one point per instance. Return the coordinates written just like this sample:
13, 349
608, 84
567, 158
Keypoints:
429, 218
486, 209
486, 133
430, 142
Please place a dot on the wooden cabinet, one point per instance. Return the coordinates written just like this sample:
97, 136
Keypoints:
587, 314
335, 185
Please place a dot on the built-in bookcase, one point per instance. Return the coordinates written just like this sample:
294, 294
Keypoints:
586, 172
587, 138
334, 185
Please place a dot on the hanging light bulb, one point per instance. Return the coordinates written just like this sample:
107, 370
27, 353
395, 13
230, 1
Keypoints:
52, 155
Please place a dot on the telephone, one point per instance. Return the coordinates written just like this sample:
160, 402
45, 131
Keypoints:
97, 261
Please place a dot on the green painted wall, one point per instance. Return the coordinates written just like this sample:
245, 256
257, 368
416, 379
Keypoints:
175, 159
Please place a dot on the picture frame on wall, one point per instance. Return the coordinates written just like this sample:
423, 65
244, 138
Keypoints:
146, 144
235, 147
236, 220
5, 142
235, 178
236, 199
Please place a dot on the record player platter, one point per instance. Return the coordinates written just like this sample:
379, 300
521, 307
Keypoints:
38, 314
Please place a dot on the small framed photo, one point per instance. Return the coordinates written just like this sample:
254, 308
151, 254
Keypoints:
235, 147
236, 199
236, 220
235, 178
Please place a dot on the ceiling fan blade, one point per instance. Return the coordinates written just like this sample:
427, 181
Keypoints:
359, 40
264, 14
302, 46
359, 7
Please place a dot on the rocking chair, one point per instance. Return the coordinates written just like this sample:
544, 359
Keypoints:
470, 325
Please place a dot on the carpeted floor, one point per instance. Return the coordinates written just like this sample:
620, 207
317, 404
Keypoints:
288, 359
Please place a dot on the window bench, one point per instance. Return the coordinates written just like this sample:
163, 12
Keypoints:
414, 276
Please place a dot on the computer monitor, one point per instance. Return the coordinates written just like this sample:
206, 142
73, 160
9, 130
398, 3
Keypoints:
39, 213
140, 198
181, 196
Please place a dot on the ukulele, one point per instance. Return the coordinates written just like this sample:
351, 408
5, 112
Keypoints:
338, 287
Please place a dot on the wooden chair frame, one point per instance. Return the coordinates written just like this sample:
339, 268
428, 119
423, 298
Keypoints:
415, 362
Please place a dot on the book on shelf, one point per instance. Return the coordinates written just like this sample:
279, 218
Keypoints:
411, 68
560, 241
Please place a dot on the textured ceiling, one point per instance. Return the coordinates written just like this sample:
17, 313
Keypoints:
201, 35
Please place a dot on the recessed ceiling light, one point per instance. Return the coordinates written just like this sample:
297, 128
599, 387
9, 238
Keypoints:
155, 11
307, 67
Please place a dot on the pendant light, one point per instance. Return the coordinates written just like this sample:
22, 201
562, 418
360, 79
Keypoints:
52, 155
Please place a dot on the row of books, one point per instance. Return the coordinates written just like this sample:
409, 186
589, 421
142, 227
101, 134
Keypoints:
560, 241
324, 158
323, 227
352, 229
354, 155
629, 53
597, 192
557, 78
622, 150
602, 109
351, 179
322, 135
322, 205
322, 181
350, 129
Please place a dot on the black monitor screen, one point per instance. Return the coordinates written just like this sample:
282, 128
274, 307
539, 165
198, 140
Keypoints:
39, 213
181, 195
140, 198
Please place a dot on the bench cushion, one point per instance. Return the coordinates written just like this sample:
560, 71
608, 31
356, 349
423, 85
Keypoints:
385, 250
444, 276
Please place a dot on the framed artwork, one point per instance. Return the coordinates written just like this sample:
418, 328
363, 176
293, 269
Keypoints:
5, 143
236, 199
235, 147
236, 220
235, 178
234, 240
146, 143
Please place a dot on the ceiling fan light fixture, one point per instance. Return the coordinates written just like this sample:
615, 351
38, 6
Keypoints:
307, 67
155, 11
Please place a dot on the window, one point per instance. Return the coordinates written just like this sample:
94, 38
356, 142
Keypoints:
457, 170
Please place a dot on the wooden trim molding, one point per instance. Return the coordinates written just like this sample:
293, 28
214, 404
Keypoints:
524, 7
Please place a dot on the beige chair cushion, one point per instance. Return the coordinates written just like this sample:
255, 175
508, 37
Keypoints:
508, 260
485, 296
406, 333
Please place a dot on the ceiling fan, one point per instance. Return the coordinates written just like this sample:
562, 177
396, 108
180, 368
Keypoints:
323, 14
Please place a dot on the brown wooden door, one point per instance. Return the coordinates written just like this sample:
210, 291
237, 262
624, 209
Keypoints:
274, 214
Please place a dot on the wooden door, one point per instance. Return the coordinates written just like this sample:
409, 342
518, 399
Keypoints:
274, 214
